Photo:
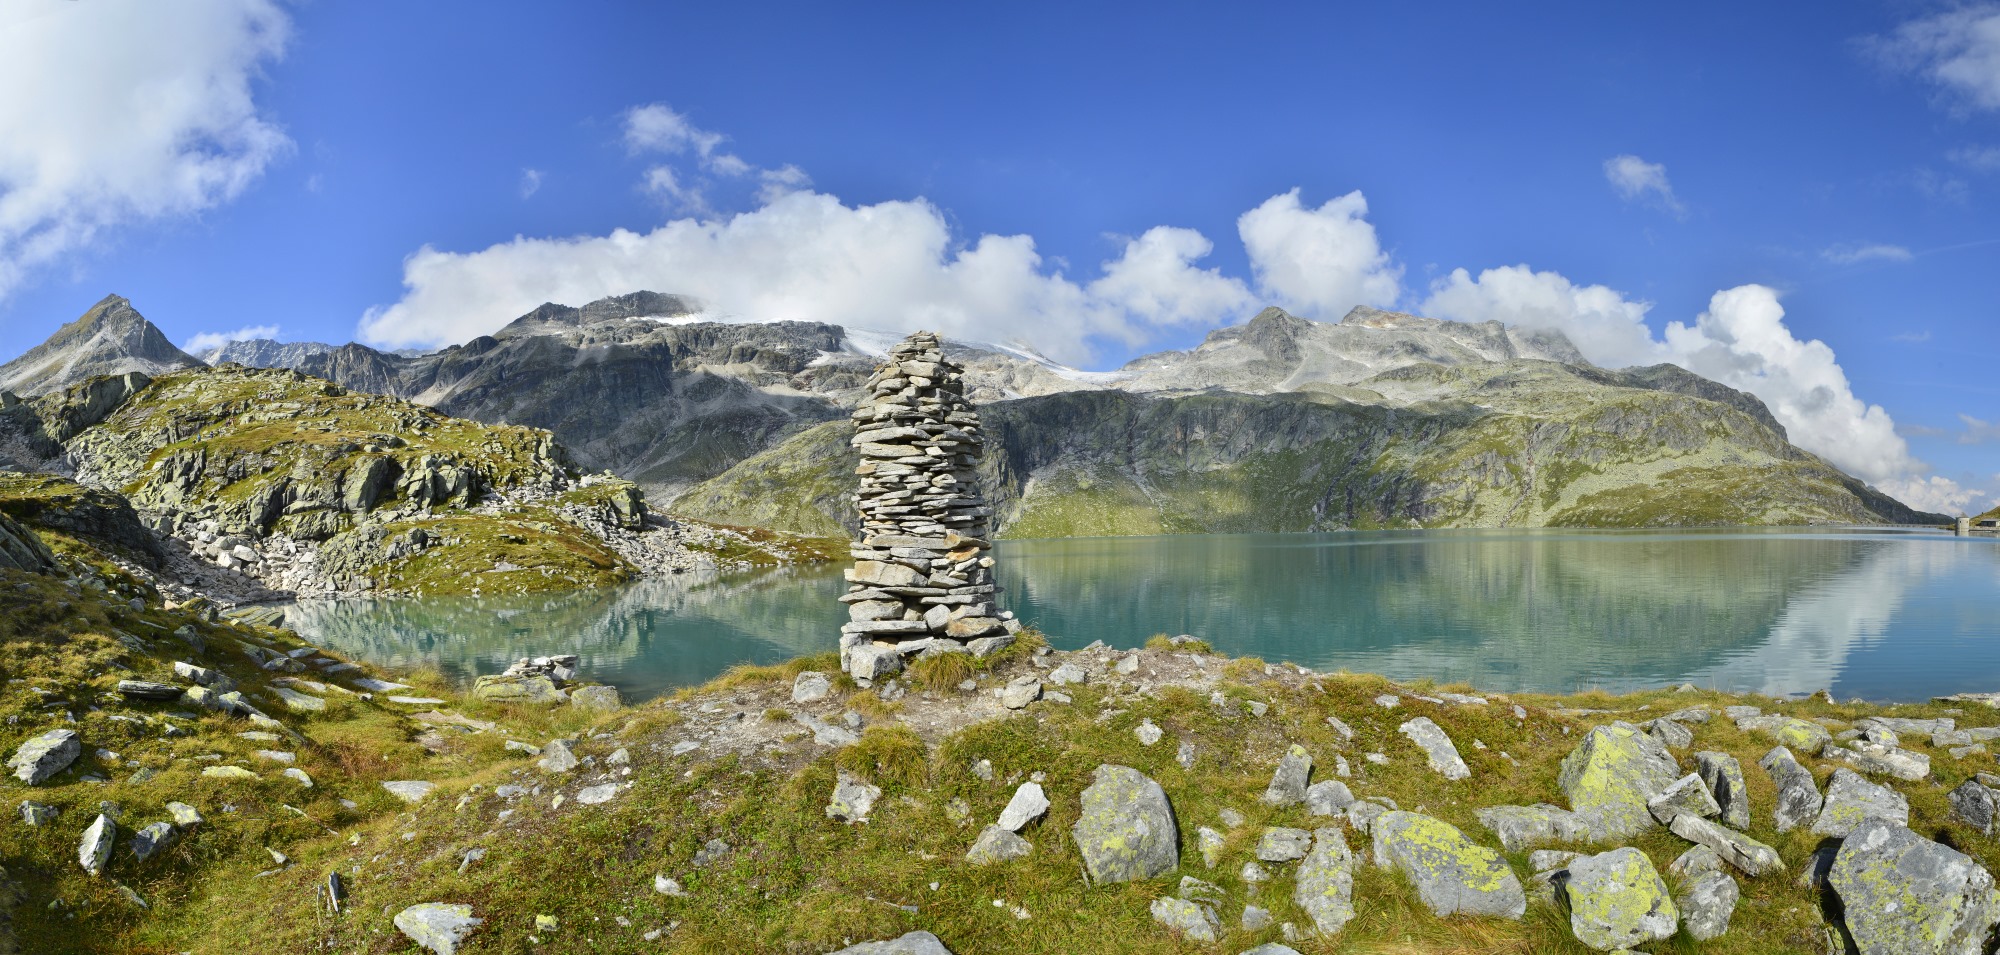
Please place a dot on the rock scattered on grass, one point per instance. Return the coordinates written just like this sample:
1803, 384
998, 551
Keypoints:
1437, 747
1028, 804
1126, 829
1906, 895
853, 799
1288, 781
1617, 901
1706, 903
1324, 888
41, 757
438, 926
1452, 874
1851, 800
996, 844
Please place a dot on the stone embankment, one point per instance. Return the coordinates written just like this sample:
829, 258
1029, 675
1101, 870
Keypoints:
922, 581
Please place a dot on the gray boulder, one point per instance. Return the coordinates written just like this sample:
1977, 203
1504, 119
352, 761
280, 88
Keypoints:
1520, 828
95, 849
150, 840
1617, 901
1288, 781
559, 756
1687, 796
1802, 735
533, 688
1126, 828
1973, 804
1610, 777
1707, 903
1905, 895
1324, 888
1280, 844
1028, 805
997, 844
811, 686
853, 799
438, 926
1724, 777
595, 698
1851, 800
1752, 857
1328, 798
1190, 920
1799, 800
46, 755
1437, 747
1451, 873
915, 943
1020, 692
1879, 760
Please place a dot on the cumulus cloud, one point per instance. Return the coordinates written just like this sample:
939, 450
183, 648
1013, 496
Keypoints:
1856, 253
656, 127
531, 182
205, 342
808, 256
1741, 341
1957, 50
1318, 262
1638, 180
116, 112
1939, 495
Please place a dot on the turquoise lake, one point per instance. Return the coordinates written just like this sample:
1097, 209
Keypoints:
1878, 614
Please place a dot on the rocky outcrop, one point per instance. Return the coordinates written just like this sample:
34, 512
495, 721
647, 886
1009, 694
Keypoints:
1902, 894
1612, 776
922, 581
21, 549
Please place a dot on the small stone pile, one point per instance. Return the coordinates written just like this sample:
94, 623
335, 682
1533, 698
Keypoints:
559, 668
922, 581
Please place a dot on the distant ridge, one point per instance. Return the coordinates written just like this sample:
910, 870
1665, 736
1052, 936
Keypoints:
112, 338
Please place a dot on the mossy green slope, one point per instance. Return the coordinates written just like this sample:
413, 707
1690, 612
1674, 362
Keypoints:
1515, 444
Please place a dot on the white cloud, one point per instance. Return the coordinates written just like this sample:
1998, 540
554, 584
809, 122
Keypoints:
1939, 495
1958, 50
808, 256
531, 182
656, 127
115, 112
1610, 330
1741, 341
1638, 180
1977, 431
205, 342
1318, 262
1979, 158
1853, 254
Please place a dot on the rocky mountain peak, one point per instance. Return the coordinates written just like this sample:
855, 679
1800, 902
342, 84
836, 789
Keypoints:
112, 338
551, 317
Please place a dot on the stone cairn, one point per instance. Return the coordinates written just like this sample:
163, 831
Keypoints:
922, 582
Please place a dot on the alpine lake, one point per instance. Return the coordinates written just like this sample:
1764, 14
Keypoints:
1879, 614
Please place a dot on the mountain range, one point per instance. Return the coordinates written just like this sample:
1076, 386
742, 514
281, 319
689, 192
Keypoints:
1383, 419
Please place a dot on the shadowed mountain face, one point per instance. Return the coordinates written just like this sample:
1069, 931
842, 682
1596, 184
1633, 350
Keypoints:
110, 339
1382, 419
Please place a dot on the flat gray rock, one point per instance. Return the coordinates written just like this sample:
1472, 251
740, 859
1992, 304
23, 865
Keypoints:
1451, 873
811, 686
915, 943
410, 790
1021, 692
1028, 805
1324, 889
438, 926
1437, 747
1288, 781
1906, 895
1126, 828
1617, 901
151, 839
1328, 797
1280, 844
1851, 800
95, 848
1973, 805
603, 698
1752, 857
40, 757
558, 756
1524, 827
1707, 902
853, 799
1190, 920
1799, 800
1687, 795
996, 844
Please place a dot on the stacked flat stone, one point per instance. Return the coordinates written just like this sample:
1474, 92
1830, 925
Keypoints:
922, 580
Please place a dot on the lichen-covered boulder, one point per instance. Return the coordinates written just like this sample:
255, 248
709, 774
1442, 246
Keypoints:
517, 688
1288, 781
1610, 777
1687, 796
1126, 828
1905, 895
997, 844
1752, 857
438, 926
1617, 900
1324, 888
1190, 920
595, 698
1851, 800
1802, 735
1525, 827
1799, 800
46, 755
1973, 805
1707, 903
1724, 777
1451, 873
853, 799
94, 850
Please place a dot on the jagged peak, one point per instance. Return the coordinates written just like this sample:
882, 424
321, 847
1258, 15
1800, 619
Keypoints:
611, 308
109, 338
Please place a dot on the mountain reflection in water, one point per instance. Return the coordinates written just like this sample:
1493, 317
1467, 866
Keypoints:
1737, 609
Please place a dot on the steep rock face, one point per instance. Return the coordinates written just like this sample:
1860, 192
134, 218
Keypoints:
112, 338
264, 353
51, 504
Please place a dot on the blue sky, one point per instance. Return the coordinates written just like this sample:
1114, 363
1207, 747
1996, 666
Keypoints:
1101, 182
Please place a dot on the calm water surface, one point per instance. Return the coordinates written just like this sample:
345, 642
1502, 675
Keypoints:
1880, 614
